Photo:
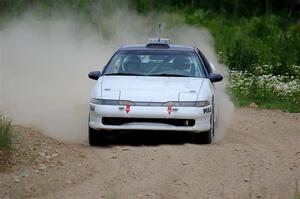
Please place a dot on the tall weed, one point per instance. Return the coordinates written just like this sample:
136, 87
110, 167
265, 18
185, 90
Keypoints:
5, 134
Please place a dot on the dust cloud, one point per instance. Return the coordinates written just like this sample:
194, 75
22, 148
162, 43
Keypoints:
203, 40
44, 65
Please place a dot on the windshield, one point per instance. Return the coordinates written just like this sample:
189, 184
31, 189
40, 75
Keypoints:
155, 63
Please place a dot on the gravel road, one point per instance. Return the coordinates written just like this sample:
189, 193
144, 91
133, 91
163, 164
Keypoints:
258, 158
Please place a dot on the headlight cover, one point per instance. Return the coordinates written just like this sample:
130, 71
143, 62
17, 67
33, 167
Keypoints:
95, 101
188, 104
111, 102
130, 103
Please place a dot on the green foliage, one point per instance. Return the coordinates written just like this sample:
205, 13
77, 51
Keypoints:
240, 55
231, 8
257, 46
5, 134
141, 6
266, 90
248, 42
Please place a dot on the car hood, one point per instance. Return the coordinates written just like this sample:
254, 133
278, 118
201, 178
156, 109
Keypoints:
150, 89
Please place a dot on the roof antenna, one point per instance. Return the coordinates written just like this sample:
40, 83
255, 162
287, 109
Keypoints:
160, 32
161, 29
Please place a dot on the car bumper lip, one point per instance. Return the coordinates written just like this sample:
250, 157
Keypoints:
201, 117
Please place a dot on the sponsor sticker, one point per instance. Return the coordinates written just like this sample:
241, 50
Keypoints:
207, 110
169, 109
127, 109
92, 107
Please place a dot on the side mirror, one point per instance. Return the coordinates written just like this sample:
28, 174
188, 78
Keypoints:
94, 75
215, 77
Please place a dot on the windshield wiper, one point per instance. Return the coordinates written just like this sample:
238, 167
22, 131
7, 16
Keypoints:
125, 74
168, 75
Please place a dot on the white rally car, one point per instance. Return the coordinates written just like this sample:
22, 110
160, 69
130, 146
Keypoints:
157, 87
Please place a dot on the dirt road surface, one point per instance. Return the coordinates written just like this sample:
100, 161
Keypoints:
258, 158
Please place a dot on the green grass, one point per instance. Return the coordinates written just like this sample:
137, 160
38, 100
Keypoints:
281, 105
267, 91
267, 100
5, 135
277, 104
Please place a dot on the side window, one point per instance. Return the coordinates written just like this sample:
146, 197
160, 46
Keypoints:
206, 63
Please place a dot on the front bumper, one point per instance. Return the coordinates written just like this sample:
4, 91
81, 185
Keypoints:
201, 115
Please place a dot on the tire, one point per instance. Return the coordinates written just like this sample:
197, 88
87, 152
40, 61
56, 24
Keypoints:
93, 137
98, 137
207, 137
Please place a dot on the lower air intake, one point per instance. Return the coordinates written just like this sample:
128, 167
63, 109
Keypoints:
121, 121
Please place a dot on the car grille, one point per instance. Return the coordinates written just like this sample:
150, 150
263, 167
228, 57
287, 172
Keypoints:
121, 121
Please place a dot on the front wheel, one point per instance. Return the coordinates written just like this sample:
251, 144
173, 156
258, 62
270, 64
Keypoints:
207, 137
97, 137
93, 137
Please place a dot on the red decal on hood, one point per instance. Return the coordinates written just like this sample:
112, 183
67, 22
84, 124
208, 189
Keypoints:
127, 109
169, 109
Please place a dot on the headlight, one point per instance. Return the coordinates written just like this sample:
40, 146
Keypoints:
188, 104
202, 103
111, 102
95, 101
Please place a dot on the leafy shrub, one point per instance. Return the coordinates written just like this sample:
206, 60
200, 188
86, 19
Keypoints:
241, 56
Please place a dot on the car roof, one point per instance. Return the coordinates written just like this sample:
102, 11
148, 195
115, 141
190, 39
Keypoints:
144, 47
